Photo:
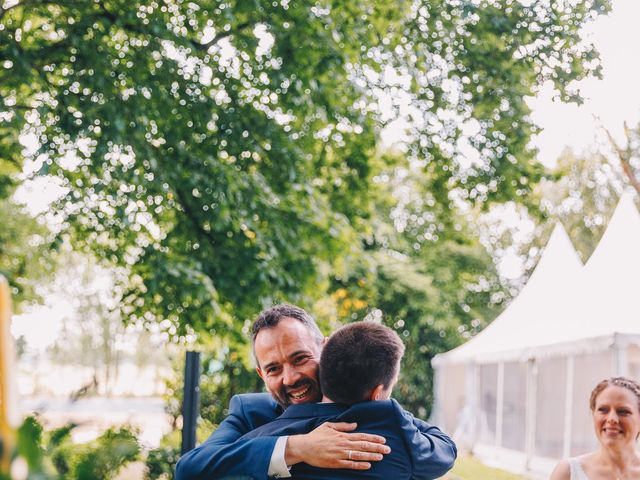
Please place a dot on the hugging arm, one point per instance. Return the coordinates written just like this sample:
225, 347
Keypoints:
330, 445
433, 453
225, 454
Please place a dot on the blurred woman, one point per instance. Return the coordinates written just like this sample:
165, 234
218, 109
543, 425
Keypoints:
615, 408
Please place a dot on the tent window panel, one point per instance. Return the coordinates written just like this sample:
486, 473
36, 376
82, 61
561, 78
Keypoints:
488, 379
634, 362
514, 407
550, 404
451, 392
589, 370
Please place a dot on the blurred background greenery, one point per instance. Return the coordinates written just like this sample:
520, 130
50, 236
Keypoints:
209, 159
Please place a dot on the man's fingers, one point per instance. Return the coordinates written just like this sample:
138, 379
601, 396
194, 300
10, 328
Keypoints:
344, 449
373, 447
342, 426
366, 438
350, 464
365, 456
362, 438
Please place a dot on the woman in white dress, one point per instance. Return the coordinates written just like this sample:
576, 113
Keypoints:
615, 408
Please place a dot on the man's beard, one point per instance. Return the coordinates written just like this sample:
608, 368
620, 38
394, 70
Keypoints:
284, 398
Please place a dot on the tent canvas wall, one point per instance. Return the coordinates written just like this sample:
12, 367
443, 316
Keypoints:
517, 393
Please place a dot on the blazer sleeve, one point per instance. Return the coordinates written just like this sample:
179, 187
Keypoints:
224, 454
432, 452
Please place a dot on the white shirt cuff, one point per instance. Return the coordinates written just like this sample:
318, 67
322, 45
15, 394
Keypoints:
277, 466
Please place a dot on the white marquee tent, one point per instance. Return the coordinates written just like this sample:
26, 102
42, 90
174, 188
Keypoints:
517, 393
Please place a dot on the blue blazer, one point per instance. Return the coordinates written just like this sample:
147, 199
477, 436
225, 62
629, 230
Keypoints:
419, 451
227, 454
224, 454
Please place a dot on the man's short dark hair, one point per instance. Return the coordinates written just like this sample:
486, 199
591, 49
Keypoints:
357, 358
271, 317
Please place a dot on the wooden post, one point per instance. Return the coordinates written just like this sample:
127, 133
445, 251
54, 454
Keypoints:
8, 413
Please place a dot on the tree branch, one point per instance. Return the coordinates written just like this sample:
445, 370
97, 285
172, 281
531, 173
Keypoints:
181, 197
624, 155
203, 47
25, 108
221, 35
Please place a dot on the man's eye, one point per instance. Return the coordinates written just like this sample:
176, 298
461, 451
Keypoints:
300, 360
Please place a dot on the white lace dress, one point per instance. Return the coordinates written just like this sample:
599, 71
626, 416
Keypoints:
577, 473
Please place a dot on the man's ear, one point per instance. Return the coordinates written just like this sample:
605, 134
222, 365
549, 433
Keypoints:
377, 393
260, 374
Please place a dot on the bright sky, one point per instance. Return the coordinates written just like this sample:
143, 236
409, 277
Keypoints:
613, 99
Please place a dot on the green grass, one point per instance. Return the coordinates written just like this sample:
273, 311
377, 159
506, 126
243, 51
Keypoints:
468, 468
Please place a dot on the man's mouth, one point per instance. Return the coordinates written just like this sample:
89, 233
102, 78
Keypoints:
300, 391
303, 391
300, 394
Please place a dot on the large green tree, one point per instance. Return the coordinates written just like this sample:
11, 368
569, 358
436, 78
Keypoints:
221, 151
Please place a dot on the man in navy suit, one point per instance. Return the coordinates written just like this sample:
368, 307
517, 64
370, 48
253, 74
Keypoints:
359, 366
287, 345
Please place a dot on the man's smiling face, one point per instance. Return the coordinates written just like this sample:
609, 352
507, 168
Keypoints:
288, 356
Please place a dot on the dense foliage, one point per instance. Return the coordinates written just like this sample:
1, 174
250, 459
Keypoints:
222, 151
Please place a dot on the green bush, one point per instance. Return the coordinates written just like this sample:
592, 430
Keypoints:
161, 462
52, 455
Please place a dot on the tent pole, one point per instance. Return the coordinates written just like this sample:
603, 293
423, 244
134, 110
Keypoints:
620, 357
568, 411
531, 407
499, 404
472, 399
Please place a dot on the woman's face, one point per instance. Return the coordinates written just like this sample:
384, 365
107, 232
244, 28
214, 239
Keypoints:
616, 417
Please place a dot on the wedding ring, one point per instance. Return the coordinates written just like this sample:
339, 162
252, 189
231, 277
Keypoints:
349, 454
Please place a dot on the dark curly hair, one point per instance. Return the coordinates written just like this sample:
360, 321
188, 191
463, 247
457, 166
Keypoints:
271, 317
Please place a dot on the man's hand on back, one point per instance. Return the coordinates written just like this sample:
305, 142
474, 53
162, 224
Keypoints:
331, 446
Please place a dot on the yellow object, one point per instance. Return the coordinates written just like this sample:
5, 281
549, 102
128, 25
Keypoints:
7, 387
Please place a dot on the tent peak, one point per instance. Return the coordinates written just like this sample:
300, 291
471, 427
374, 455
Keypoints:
620, 239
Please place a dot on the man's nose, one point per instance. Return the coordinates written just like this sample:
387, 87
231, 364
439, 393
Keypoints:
291, 375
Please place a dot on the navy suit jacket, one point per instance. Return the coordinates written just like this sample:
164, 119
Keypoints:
418, 450
226, 453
